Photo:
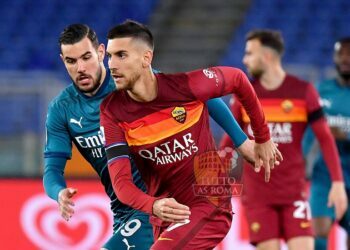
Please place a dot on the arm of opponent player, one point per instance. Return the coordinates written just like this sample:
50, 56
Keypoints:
57, 151
337, 195
222, 115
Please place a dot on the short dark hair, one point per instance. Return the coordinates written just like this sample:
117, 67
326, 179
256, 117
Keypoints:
269, 38
131, 28
341, 41
76, 32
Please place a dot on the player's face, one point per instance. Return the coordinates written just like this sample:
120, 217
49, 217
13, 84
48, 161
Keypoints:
342, 60
253, 58
84, 64
127, 60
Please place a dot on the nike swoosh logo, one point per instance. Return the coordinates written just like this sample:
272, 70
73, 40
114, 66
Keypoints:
176, 225
305, 224
161, 238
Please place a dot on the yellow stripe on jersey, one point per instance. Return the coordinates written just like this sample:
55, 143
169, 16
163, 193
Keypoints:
150, 131
282, 110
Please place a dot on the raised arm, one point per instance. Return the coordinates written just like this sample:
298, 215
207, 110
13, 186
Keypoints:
221, 81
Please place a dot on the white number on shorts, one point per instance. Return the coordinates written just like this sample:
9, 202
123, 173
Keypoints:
302, 210
130, 227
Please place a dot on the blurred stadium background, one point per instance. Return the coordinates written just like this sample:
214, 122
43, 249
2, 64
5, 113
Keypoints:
189, 34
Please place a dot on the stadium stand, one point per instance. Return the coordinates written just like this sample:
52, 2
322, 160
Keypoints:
309, 28
29, 29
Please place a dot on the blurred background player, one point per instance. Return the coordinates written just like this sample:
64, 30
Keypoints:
162, 120
280, 209
335, 96
73, 116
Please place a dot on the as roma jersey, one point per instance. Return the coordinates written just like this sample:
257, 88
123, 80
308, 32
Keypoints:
166, 134
288, 110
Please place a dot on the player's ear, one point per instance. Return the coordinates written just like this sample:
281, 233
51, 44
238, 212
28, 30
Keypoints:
147, 58
101, 52
266, 55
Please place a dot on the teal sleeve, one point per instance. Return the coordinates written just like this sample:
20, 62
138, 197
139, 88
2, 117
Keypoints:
223, 116
58, 148
53, 178
58, 139
308, 141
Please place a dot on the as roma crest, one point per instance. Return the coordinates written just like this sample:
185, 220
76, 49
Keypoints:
287, 105
179, 114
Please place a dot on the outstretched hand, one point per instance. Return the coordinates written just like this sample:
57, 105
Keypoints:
65, 202
267, 155
168, 209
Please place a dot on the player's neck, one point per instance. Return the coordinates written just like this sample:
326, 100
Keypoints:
273, 77
145, 89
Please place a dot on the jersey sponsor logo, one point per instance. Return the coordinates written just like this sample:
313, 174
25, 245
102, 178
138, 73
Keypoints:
171, 151
74, 121
287, 105
281, 132
103, 137
94, 142
179, 114
211, 74
339, 121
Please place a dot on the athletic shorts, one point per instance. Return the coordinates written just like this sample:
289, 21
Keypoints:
134, 233
319, 208
206, 228
285, 221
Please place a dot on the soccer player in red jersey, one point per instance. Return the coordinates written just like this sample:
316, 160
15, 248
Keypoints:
279, 209
162, 120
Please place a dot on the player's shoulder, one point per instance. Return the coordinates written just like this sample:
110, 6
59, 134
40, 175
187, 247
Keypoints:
211, 71
170, 77
110, 99
64, 98
327, 85
298, 84
296, 80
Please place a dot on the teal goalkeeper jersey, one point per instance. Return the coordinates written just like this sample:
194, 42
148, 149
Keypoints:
335, 102
75, 117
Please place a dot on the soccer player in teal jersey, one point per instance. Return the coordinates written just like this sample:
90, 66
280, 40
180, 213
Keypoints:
73, 117
335, 99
